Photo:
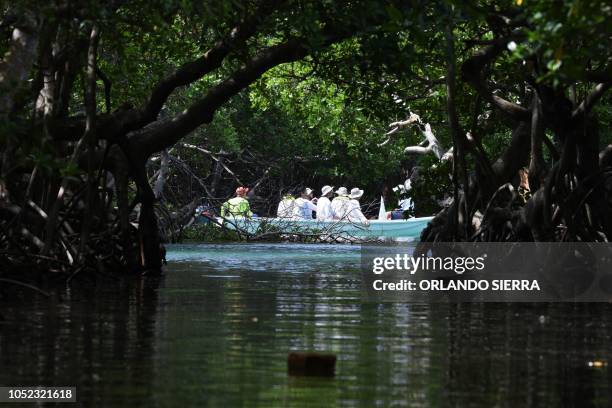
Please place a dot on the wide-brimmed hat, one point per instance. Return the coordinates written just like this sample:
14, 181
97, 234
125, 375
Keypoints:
342, 191
326, 189
356, 193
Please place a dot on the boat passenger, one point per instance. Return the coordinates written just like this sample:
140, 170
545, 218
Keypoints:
340, 204
305, 205
286, 207
237, 206
355, 214
405, 203
324, 209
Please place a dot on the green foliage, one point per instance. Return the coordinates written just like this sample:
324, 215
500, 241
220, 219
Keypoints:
322, 119
323, 126
208, 233
570, 37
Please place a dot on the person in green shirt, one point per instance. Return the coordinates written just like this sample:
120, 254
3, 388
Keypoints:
237, 206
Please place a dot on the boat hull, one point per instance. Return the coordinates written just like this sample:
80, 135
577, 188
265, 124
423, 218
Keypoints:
376, 229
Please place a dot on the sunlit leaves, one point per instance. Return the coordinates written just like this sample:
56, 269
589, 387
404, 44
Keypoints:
570, 36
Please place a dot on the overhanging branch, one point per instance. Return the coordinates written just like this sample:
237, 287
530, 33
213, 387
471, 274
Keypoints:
164, 134
471, 72
595, 95
211, 60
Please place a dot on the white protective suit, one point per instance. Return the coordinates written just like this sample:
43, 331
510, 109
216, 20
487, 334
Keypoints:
355, 214
324, 209
303, 209
286, 208
340, 207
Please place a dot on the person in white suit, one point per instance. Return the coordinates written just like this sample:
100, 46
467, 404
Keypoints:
305, 205
355, 214
286, 207
340, 205
324, 209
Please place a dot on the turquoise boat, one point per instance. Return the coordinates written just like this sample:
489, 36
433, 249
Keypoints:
376, 229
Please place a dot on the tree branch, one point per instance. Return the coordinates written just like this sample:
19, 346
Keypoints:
516, 154
471, 72
585, 107
537, 163
161, 135
429, 145
211, 60
107, 88
158, 187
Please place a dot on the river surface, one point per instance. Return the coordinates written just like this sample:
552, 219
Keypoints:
216, 331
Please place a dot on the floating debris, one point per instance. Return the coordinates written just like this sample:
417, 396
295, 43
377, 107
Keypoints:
311, 364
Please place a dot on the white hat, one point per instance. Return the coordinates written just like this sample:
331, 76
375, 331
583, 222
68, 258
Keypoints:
356, 193
408, 185
326, 189
342, 191
308, 191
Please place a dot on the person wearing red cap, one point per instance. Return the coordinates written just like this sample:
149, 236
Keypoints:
237, 206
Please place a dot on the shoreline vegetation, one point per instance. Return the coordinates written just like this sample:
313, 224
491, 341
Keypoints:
209, 233
117, 120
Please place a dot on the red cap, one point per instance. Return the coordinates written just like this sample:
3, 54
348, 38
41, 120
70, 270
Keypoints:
242, 191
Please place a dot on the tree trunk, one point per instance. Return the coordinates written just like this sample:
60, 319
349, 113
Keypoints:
537, 166
158, 188
90, 138
149, 234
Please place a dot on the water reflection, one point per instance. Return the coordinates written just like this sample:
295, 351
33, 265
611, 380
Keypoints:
97, 338
217, 330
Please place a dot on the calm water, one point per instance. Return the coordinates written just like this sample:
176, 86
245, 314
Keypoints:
217, 329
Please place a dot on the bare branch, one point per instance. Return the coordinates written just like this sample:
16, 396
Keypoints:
429, 145
215, 158
412, 119
595, 95
158, 187
472, 69
418, 150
